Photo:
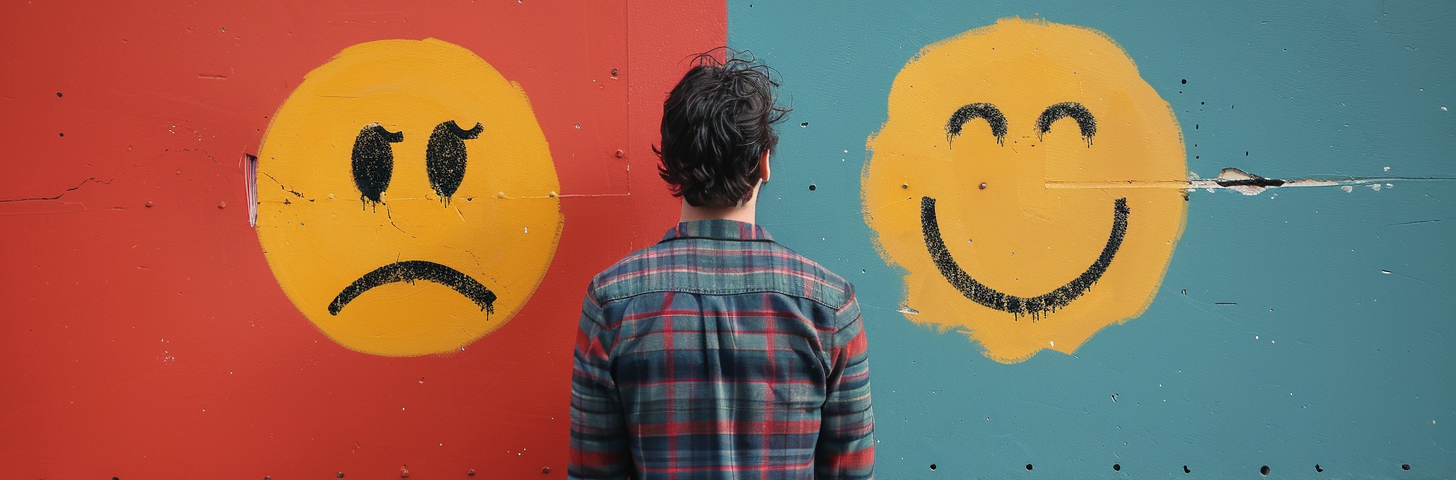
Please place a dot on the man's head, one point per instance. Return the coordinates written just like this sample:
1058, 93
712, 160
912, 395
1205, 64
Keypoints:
717, 126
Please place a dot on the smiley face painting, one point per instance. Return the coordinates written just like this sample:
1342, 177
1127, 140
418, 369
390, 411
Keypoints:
412, 206
1020, 181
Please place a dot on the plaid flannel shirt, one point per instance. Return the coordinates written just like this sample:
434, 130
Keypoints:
716, 354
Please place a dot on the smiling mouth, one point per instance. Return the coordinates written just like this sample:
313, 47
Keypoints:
992, 298
411, 271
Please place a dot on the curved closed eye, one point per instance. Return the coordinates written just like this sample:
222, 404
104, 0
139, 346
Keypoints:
373, 161
445, 157
1084, 119
993, 117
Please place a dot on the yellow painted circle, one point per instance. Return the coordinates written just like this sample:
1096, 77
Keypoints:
1048, 230
394, 230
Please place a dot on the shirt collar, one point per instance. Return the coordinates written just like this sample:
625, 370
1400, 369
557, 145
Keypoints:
718, 230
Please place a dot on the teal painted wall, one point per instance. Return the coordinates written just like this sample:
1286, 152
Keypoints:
1317, 324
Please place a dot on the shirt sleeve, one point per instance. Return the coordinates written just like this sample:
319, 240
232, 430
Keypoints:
599, 448
846, 448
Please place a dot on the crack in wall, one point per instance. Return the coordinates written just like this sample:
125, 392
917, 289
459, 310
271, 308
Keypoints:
286, 189
59, 195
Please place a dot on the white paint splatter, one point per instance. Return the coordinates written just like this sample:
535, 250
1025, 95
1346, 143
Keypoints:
1347, 188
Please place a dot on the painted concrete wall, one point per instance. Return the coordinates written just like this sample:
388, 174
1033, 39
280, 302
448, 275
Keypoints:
1112, 303
1305, 328
406, 301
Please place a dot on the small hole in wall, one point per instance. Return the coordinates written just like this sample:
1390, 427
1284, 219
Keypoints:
1028, 467
804, 125
1185, 81
1404, 466
1318, 468
932, 467
1264, 470
812, 187
1117, 467
1186, 470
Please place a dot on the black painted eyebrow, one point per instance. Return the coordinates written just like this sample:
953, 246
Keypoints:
993, 117
1084, 119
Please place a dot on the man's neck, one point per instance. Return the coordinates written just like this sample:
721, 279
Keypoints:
743, 213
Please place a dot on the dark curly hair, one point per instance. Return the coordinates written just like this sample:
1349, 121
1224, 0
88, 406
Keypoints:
716, 124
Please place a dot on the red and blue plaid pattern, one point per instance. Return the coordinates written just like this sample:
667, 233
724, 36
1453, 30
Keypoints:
720, 354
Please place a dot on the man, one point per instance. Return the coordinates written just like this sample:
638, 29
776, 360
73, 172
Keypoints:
718, 353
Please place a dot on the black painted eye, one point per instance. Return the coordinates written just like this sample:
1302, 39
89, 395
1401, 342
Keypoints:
374, 160
993, 117
1084, 119
445, 157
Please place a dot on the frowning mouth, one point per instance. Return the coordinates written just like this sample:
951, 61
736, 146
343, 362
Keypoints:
992, 298
411, 271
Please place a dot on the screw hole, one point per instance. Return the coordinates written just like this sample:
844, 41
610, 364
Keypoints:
1264, 470
1405, 466
1028, 466
932, 467
1117, 467
812, 187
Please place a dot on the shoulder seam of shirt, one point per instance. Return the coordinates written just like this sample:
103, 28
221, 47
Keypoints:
605, 301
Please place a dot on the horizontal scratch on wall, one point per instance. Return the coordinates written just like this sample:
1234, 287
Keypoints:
1242, 182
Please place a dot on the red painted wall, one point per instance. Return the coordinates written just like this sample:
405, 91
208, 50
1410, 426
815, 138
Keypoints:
142, 334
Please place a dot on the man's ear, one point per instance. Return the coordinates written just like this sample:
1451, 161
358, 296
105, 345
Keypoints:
763, 172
